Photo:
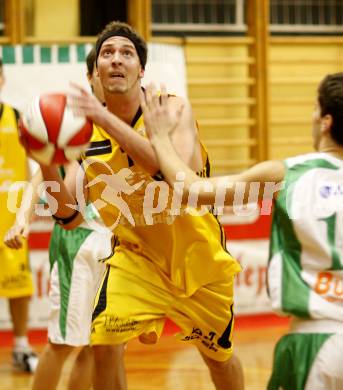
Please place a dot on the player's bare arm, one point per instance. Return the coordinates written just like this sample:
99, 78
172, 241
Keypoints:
268, 175
76, 185
20, 229
184, 135
178, 121
161, 127
62, 196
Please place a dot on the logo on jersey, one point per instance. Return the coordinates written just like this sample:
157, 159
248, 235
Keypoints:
326, 191
329, 198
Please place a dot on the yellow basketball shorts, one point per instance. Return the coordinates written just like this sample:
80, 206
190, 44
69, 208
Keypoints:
15, 273
127, 306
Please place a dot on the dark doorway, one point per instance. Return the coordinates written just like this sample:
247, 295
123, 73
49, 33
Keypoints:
95, 14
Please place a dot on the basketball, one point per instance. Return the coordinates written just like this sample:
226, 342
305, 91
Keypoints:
51, 132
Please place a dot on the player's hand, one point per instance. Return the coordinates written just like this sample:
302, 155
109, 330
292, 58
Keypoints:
86, 104
15, 235
160, 117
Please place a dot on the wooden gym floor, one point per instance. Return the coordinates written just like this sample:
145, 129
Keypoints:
171, 364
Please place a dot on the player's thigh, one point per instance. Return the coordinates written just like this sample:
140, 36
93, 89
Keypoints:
73, 282
207, 319
294, 356
127, 306
326, 372
84, 282
89, 261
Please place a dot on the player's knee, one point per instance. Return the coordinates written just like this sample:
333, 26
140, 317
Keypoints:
232, 364
85, 353
103, 353
60, 351
217, 366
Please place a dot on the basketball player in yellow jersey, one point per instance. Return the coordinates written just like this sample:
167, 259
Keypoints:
15, 276
166, 265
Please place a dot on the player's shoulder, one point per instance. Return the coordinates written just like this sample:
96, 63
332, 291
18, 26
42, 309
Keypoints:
313, 160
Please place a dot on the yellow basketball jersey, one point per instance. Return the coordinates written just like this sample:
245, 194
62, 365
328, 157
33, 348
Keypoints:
187, 251
12, 164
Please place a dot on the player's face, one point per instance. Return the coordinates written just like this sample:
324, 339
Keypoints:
118, 65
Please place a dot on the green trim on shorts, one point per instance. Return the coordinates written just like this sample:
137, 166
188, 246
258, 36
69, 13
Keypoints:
63, 249
293, 358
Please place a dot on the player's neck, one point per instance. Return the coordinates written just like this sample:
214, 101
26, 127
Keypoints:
330, 147
124, 106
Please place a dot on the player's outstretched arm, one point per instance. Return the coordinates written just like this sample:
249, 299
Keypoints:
174, 118
160, 125
20, 229
61, 194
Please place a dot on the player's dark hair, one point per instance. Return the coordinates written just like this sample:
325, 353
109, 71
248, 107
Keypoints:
115, 28
330, 98
90, 60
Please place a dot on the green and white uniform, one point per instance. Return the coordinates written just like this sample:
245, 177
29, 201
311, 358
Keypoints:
76, 269
305, 274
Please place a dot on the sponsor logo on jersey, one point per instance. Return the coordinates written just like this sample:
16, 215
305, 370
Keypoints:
329, 190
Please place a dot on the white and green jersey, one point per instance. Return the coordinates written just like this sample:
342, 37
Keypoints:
305, 271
